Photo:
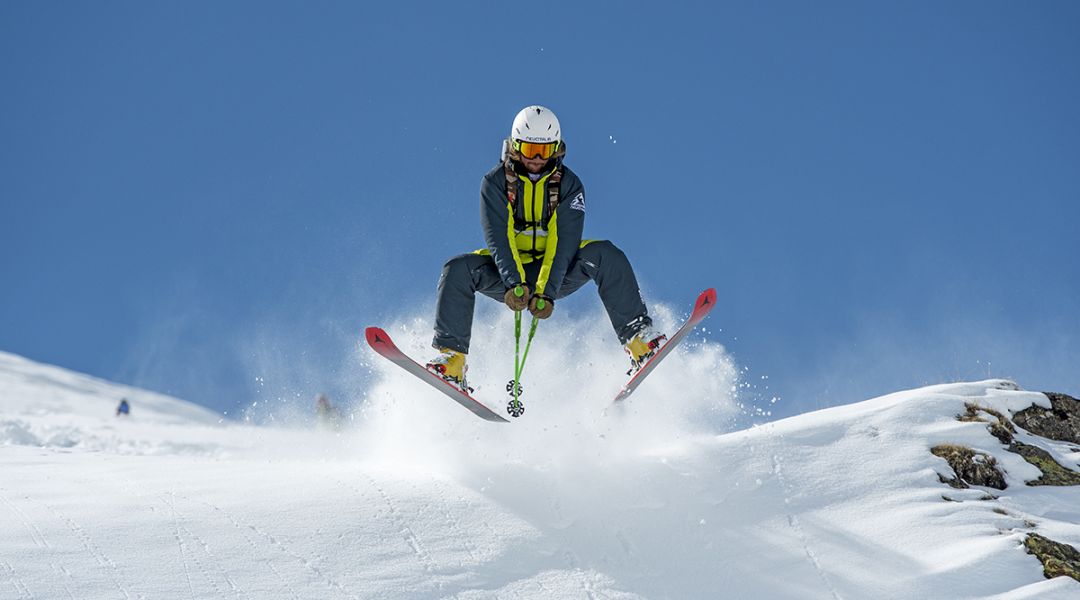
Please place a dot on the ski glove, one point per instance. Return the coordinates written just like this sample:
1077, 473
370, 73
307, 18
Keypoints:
517, 297
541, 306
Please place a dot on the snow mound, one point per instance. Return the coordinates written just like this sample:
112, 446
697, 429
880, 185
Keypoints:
423, 500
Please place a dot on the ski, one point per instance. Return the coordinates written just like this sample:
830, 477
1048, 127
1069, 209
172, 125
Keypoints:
704, 304
381, 343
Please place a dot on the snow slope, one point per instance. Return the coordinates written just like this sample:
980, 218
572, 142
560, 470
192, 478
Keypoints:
422, 500
33, 396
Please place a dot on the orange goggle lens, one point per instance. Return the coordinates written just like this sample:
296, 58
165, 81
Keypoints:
531, 150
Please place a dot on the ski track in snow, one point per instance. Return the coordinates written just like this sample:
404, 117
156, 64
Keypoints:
204, 566
169, 500
792, 518
112, 570
245, 531
411, 539
16, 582
277, 546
40, 541
184, 562
115, 573
453, 523
35, 532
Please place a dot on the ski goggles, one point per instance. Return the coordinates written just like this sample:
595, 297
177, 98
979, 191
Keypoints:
531, 150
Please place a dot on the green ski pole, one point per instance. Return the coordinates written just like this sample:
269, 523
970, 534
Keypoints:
532, 332
515, 407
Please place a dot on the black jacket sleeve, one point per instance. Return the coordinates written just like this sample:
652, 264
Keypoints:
495, 220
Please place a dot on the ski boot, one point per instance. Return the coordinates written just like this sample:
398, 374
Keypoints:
450, 365
643, 346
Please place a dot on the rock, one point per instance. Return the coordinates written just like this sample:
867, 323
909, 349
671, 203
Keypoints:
1000, 427
1060, 422
1058, 559
971, 468
1053, 472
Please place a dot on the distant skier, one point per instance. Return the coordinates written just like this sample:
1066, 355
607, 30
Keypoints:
329, 416
532, 211
124, 409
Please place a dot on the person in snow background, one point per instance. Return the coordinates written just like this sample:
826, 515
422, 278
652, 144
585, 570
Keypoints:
532, 211
124, 408
327, 414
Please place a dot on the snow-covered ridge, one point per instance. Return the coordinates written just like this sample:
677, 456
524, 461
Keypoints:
841, 503
29, 388
48, 406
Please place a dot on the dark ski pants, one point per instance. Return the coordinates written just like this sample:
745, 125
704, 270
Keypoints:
599, 261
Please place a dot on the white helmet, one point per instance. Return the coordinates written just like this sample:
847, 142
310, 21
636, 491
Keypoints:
536, 124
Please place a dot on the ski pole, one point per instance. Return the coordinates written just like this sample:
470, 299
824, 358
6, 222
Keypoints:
528, 342
515, 407
517, 348
519, 291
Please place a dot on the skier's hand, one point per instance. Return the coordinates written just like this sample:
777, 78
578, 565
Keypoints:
541, 306
517, 297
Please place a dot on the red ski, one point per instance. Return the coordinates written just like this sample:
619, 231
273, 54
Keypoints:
704, 304
381, 343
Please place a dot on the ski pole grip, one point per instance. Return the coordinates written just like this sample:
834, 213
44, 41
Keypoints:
519, 291
540, 304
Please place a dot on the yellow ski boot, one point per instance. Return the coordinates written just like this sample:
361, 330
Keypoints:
643, 346
450, 365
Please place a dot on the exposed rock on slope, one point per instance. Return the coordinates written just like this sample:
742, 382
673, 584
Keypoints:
1000, 427
1052, 471
1057, 559
971, 467
1060, 422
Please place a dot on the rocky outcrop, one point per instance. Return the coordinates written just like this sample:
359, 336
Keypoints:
1060, 422
1058, 559
999, 426
1052, 471
970, 467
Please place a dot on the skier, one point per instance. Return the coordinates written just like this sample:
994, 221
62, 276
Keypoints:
124, 408
532, 211
329, 416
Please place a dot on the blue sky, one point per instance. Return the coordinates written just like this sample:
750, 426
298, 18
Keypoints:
884, 194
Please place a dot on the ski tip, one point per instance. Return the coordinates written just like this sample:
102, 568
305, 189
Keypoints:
706, 299
376, 336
